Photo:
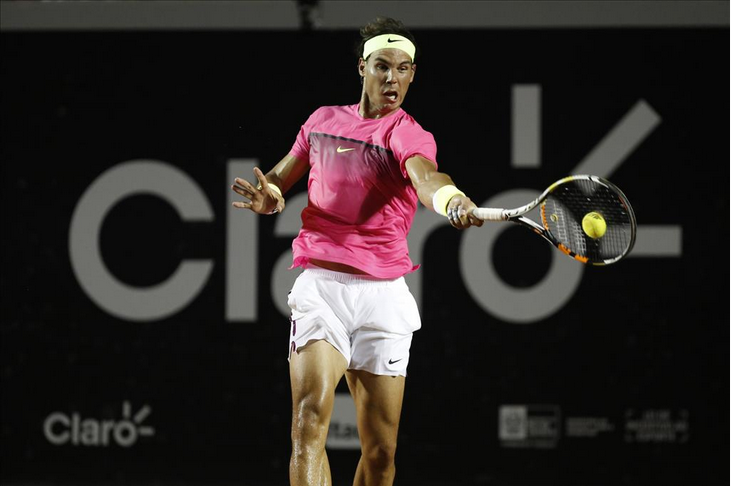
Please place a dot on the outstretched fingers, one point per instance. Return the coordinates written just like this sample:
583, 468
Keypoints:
263, 183
239, 188
266, 190
261, 198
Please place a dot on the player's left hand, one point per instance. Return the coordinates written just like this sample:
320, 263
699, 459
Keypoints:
262, 199
459, 212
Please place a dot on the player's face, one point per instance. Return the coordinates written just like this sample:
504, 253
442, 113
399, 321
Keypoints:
386, 78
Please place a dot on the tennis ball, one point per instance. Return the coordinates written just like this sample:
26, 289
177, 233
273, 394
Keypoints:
594, 225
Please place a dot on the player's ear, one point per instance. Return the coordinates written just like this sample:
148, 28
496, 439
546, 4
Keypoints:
361, 67
413, 73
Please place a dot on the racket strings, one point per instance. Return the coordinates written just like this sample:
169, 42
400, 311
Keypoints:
565, 208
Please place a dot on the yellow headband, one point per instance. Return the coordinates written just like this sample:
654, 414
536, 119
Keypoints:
389, 41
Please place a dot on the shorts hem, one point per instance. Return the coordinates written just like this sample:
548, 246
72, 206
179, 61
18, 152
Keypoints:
382, 372
312, 340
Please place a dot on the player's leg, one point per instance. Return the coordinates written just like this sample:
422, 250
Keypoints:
378, 400
380, 350
315, 371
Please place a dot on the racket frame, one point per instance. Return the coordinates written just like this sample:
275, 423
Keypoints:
516, 215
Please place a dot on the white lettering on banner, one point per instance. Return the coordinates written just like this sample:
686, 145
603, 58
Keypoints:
287, 226
518, 305
657, 426
588, 426
490, 292
117, 183
61, 429
242, 251
526, 133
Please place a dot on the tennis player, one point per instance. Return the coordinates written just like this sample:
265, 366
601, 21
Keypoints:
352, 313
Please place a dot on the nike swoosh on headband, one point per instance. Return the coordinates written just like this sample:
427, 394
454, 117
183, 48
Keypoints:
384, 41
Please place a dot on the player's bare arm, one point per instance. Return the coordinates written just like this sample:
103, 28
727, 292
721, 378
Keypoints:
267, 196
427, 181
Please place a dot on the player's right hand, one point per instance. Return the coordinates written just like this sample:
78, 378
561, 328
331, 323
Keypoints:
459, 212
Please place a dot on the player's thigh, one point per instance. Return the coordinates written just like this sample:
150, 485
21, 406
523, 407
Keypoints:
315, 371
378, 401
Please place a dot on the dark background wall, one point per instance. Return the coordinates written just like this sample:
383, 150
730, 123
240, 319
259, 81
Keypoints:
623, 382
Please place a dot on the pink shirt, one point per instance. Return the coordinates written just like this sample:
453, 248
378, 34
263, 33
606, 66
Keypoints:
360, 199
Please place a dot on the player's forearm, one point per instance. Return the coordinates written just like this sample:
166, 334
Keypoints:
434, 189
287, 172
427, 188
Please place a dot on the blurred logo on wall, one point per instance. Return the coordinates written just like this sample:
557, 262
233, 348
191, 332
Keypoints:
588, 427
343, 431
529, 426
72, 429
657, 426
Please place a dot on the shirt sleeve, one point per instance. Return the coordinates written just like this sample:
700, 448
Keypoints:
301, 147
408, 140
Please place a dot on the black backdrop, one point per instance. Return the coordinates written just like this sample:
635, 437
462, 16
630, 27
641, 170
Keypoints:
640, 348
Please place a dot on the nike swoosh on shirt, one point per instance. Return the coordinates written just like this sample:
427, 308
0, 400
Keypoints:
341, 150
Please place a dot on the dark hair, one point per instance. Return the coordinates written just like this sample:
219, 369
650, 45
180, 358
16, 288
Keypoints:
383, 25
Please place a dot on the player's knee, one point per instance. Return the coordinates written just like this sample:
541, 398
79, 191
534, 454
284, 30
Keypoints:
310, 420
380, 456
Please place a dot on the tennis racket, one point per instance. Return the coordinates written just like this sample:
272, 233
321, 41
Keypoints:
585, 216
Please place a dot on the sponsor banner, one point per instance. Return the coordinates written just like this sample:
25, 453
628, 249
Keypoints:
72, 429
129, 281
539, 426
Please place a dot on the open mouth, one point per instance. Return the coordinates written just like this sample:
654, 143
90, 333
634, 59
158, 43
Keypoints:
391, 95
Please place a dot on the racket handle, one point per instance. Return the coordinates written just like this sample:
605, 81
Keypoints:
490, 214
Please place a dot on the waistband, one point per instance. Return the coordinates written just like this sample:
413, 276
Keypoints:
350, 278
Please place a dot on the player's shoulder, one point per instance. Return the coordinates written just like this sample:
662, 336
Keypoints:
333, 110
408, 122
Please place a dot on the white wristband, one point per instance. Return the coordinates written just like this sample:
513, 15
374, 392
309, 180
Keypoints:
272, 187
442, 196
275, 189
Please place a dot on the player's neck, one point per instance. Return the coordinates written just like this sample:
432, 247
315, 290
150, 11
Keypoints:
369, 110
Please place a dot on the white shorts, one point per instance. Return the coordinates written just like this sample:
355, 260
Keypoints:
370, 321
